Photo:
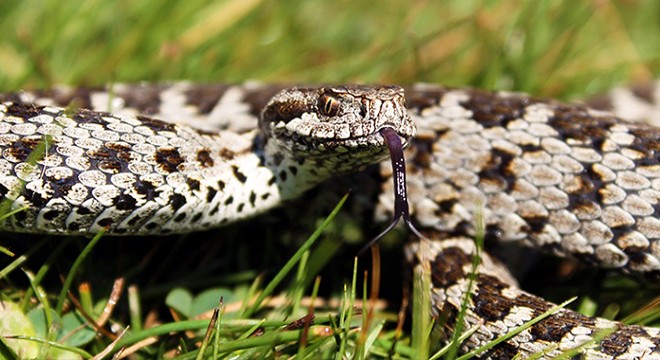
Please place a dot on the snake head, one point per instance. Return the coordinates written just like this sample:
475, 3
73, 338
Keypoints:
322, 122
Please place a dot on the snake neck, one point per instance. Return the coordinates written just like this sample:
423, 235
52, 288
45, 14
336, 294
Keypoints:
296, 170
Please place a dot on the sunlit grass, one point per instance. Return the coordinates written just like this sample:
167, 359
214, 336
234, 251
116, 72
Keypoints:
554, 48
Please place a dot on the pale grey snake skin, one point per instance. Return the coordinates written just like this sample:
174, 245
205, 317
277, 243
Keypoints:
565, 178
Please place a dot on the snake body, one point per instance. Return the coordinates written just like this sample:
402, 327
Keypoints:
566, 178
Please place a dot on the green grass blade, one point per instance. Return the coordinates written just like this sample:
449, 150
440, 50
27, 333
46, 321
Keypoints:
74, 269
284, 271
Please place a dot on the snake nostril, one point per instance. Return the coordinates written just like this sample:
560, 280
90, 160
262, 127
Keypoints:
363, 110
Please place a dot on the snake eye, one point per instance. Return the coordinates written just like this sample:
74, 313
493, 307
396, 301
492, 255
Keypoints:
329, 105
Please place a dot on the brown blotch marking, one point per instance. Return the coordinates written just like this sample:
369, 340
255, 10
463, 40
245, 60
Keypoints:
155, 124
647, 142
492, 306
122, 151
602, 102
84, 116
111, 157
644, 92
144, 98
536, 303
169, 159
423, 156
22, 148
555, 327
536, 223
503, 350
574, 122
447, 267
259, 98
488, 301
490, 109
111, 166
205, 96
619, 342
418, 100
583, 191
226, 154
99, 153
204, 158
498, 170
78, 97
285, 112
24, 111
11, 97
180, 217
31, 142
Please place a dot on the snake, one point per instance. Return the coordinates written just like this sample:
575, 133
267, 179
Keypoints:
571, 179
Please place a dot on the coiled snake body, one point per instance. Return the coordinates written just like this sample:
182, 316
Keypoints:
571, 180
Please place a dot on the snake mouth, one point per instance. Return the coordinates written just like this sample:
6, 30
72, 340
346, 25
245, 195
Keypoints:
341, 137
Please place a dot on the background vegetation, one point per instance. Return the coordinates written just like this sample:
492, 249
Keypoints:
562, 49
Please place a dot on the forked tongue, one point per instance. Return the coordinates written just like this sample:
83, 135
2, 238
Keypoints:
393, 142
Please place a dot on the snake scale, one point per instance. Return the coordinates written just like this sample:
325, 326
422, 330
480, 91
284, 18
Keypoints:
574, 181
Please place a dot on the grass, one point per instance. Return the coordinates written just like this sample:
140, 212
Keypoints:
562, 49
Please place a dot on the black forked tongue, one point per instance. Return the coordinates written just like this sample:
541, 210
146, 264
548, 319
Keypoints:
393, 142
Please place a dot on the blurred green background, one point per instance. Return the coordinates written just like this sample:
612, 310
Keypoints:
549, 48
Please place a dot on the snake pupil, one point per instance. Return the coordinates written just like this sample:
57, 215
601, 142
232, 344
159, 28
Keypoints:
330, 105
